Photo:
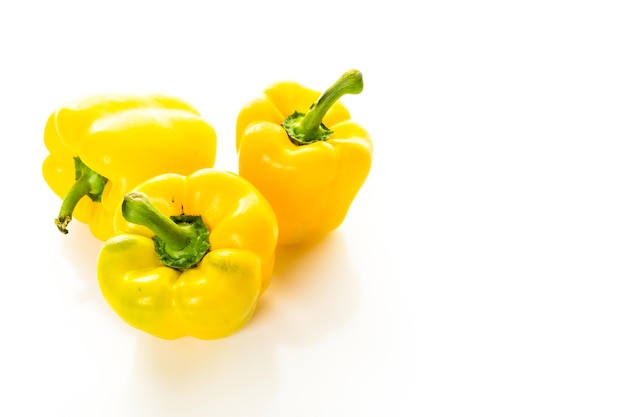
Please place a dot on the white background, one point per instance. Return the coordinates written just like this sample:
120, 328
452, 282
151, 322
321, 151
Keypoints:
480, 271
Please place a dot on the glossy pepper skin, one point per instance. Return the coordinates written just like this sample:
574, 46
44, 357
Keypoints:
102, 146
191, 256
305, 154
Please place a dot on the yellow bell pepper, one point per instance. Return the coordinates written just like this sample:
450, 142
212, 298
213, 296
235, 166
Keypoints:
191, 255
308, 160
102, 146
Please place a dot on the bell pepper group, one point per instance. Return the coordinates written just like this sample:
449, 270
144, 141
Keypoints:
188, 250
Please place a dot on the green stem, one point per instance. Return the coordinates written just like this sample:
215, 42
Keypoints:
180, 241
88, 183
138, 208
304, 128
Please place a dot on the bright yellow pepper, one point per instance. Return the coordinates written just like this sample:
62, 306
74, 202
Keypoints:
191, 255
308, 160
102, 146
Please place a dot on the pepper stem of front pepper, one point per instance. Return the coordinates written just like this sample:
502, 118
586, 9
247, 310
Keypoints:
307, 127
137, 208
179, 244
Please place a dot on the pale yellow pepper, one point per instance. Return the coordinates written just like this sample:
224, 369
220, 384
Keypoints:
191, 256
104, 145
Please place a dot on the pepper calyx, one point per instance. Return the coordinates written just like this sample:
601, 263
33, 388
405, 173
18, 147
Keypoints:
292, 125
180, 242
189, 256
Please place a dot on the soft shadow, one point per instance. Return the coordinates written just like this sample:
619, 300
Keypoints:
313, 293
234, 376
81, 250
314, 290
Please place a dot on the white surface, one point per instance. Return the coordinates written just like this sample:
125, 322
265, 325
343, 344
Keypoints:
480, 271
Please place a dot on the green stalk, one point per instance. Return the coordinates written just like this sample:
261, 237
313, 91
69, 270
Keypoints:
303, 128
180, 242
88, 183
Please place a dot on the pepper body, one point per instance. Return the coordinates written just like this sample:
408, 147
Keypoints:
125, 139
312, 185
217, 296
